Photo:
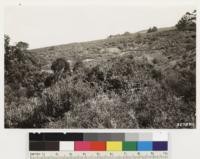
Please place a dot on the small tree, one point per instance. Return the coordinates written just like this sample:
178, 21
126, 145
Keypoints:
153, 29
127, 33
22, 45
187, 22
60, 64
6, 41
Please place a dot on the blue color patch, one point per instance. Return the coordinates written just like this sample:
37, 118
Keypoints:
160, 146
145, 146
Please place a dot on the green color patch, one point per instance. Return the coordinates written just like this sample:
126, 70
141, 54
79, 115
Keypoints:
129, 146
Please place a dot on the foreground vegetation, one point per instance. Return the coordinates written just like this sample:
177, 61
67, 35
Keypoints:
141, 80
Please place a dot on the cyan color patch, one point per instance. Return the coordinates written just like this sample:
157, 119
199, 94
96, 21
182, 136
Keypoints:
145, 146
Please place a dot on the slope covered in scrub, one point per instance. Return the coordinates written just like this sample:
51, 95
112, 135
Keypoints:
140, 80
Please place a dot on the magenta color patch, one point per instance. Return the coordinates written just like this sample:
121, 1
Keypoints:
82, 146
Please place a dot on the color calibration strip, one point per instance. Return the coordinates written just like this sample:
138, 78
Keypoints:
85, 143
99, 146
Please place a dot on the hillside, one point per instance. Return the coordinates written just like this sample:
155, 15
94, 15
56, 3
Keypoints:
140, 80
99, 49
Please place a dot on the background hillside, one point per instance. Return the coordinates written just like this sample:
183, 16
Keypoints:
134, 80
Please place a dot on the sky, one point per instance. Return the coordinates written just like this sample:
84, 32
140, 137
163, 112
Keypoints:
43, 26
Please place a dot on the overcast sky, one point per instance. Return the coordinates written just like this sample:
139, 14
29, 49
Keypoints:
45, 26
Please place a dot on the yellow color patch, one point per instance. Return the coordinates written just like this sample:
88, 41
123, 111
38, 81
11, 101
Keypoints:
114, 146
